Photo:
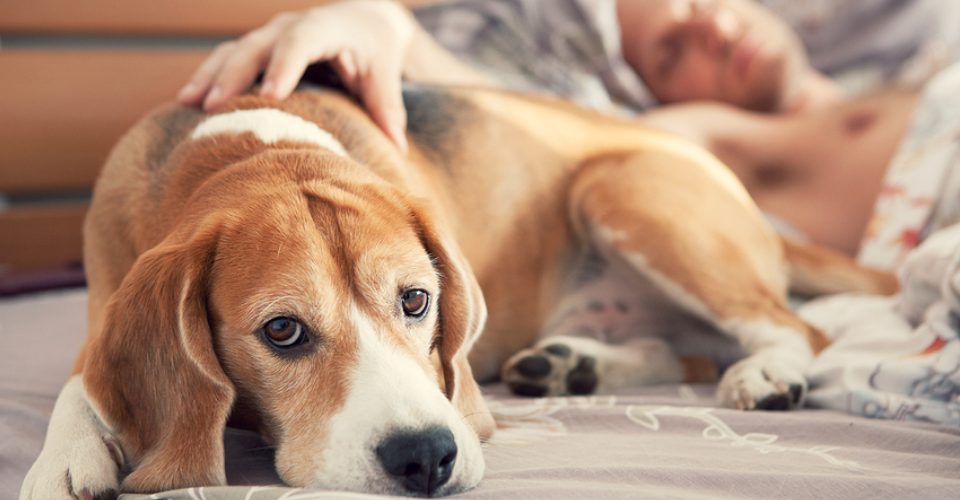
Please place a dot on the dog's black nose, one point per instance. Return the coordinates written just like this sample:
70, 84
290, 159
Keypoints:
421, 461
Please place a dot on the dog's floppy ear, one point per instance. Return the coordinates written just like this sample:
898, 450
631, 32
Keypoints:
152, 372
462, 317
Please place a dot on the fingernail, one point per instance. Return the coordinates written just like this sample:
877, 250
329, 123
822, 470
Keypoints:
266, 90
401, 139
398, 126
187, 90
212, 97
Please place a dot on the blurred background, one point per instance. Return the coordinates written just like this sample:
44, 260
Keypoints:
74, 75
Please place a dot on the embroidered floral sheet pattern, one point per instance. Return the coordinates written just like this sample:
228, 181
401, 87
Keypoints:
669, 442
921, 189
660, 442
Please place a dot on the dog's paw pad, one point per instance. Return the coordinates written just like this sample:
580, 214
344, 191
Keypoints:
755, 384
558, 350
797, 392
583, 378
551, 369
774, 402
534, 366
527, 389
532, 373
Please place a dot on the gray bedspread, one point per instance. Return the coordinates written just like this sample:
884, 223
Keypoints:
659, 442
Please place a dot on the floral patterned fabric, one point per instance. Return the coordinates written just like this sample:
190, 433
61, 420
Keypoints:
921, 190
899, 357
670, 442
896, 357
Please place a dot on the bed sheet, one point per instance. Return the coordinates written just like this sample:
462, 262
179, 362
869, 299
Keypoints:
656, 442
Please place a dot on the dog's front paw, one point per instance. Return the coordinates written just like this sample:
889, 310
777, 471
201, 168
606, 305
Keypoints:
553, 368
79, 458
762, 384
87, 470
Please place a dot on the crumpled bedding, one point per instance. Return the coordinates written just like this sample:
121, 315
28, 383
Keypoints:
899, 357
896, 357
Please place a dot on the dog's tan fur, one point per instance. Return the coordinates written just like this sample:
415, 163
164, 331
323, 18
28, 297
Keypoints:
199, 237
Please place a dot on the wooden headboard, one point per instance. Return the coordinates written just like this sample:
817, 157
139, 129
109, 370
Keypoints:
73, 77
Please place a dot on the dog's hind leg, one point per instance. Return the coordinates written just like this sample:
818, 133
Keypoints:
573, 365
682, 222
602, 335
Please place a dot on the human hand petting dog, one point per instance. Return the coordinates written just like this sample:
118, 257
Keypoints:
366, 40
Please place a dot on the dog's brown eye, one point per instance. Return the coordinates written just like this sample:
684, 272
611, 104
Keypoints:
284, 332
415, 303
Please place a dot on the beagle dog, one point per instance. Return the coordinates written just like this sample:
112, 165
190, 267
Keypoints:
280, 266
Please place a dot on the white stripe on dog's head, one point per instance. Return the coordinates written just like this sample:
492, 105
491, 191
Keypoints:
269, 125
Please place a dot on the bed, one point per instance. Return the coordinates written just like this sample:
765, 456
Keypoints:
658, 442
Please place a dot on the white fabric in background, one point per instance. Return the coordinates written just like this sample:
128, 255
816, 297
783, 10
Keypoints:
887, 39
895, 357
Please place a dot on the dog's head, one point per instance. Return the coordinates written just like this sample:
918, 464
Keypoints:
333, 312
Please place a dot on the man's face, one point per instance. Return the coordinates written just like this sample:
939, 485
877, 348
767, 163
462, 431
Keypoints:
722, 50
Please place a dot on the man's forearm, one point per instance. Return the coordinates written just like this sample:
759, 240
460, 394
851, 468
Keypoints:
428, 62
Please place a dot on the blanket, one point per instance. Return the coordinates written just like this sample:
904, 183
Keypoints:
896, 357
899, 358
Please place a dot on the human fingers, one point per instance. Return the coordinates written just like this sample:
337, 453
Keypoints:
200, 82
317, 36
247, 57
378, 85
295, 49
346, 66
240, 67
381, 92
